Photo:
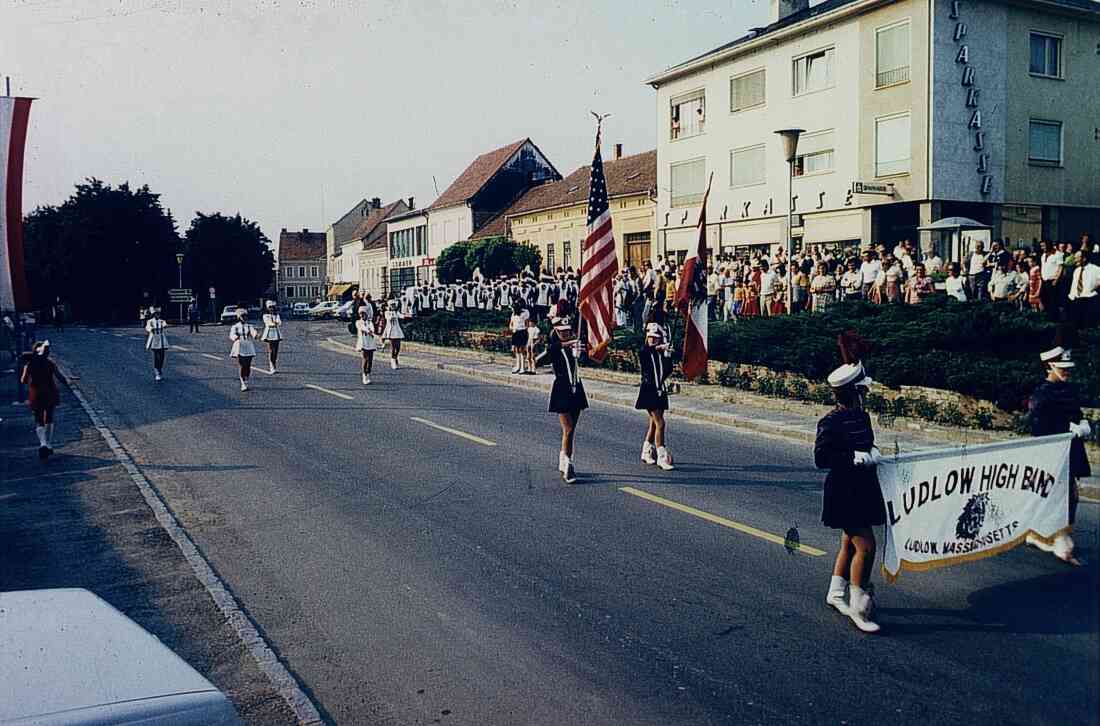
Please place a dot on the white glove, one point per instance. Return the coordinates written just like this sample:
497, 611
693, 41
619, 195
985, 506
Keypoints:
862, 458
1081, 429
876, 456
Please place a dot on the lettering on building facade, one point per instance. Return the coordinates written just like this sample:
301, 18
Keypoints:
973, 95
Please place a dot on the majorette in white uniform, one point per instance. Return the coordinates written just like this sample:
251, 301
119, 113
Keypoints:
244, 350
272, 335
156, 341
393, 333
365, 343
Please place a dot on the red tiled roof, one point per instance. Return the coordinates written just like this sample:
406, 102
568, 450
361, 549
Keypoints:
635, 174
371, 230
304, 245
476, 175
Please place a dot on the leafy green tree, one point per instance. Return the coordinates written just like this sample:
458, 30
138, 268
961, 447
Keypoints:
106, 251
499, 256
450, 266
230, 254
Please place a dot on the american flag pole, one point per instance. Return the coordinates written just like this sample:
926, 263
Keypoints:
582, 332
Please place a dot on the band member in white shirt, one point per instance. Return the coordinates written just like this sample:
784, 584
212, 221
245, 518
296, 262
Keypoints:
272, 335
393, 333
157, 341
365, 342
244, 350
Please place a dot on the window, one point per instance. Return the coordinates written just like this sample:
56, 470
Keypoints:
748, 166
550, 256
1045, 142
409, 242
815, 153
1046, 55
290, 291
813, 72
688, 182
747, 91
302, 271
688, 115
313, 271
288, 272
892, 144
892, 55
567, 254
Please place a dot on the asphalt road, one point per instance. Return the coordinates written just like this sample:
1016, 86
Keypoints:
411, 574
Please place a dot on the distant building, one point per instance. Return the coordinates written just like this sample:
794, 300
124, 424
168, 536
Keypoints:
491, 183
408, 254
340, 236
301, 267
554, 217
372, 236
913, 110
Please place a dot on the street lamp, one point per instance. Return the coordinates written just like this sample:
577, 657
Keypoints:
789, 138
179, 264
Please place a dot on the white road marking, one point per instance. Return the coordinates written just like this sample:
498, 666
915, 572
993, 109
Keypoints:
212, 357
181, 348
456, 432
344, 396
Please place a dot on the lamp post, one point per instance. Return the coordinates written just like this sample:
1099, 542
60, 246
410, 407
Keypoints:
179, 264
789, 137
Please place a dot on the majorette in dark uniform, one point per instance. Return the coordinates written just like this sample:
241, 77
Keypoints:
40, 376
852, 500
567, 396
1055, 408
655, 364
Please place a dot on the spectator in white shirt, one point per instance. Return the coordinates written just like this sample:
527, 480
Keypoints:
767, 288
851, 282
869, 270
933, 263
1051, 272
1082, 291
956, 287
1003, 282
976, 272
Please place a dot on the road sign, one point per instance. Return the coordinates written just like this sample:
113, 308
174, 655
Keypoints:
180, 291
859, 187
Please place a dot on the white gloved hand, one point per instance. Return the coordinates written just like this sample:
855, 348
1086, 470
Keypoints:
876, 456
862, 458
1081, 429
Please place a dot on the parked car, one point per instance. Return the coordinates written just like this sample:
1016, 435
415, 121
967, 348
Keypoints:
344, 311
299, 310
324, 310
229, 315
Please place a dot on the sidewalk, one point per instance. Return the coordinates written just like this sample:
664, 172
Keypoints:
79, 520
712, 403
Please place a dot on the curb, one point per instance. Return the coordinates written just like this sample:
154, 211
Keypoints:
281, 679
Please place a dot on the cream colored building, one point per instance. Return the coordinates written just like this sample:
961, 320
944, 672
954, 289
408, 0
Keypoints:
554, 217
976, 108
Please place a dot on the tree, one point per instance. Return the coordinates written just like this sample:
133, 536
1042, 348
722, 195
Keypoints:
450, 266
230, 254
105, 251
494, 257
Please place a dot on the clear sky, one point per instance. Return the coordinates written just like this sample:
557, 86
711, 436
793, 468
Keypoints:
289, 112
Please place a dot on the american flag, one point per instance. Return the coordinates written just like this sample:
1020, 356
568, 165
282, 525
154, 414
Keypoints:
600, 265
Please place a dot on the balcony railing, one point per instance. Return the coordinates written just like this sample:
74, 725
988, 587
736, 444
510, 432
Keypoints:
890, 77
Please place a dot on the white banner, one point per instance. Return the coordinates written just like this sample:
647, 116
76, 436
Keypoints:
954, 505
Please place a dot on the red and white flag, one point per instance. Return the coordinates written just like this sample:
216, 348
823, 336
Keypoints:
691, 299
14, 115
596, 298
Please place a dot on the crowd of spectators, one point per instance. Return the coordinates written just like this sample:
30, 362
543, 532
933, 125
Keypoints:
1058, 279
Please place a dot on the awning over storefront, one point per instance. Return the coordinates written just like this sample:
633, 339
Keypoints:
341, 290
839, 227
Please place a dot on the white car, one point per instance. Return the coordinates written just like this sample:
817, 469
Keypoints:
299, 310
229, 315
325, 310
344, 311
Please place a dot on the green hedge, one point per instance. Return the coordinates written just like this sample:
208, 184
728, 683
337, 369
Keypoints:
987, 351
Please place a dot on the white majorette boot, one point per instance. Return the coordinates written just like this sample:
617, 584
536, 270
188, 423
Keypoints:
393, 363
569, 476
156, 376
271, 369
835, 597
244, 386
859, 604
563, 462
649, 453
664, 459
365, 379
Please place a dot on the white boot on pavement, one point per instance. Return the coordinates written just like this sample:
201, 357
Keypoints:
244, 386
563, 462
569, 476
859, 606
835, 597
271, 369
365, 379
664, 459
649, 453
